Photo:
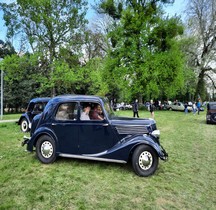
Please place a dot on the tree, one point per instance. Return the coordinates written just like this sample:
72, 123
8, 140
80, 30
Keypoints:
48, 25
6, 48
202, 49
145, 56
20, 83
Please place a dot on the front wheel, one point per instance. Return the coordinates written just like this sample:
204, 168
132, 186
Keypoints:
144, 160
46, 149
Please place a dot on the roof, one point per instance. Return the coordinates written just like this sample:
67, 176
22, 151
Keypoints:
66, 98
36, 100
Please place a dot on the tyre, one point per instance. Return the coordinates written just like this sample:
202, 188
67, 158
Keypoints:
46, 149
24, 125
144, 160
213, 118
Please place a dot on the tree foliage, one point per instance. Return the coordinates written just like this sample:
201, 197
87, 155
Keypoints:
48, 25
146, 56
201, 47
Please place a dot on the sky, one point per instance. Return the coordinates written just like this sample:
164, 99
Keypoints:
176, 8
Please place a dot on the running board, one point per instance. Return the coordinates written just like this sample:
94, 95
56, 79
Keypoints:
91, 158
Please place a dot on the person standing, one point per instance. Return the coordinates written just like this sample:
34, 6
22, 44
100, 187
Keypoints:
151, 108
136, 109
194, 108
186, 108
198, 106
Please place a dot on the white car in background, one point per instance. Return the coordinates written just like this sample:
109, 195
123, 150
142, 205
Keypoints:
178, 106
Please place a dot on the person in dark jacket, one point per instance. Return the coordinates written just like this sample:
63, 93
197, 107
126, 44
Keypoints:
151, 108
136, 109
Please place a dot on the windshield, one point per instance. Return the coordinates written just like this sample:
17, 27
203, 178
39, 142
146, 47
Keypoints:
108, 108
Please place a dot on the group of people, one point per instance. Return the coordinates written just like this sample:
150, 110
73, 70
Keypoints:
136, 108
95, 114
195, 107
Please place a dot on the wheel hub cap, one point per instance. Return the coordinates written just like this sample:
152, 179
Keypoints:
145, 160
47, 149
24, 125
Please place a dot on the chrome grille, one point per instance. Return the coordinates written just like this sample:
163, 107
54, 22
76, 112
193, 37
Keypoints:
131, 129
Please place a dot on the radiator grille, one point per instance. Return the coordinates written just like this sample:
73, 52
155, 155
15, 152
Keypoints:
132, 129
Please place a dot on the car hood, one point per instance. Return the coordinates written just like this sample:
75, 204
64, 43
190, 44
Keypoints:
126, 125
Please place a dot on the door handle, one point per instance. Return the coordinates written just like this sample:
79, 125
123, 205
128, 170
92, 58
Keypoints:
53, 124
105, 125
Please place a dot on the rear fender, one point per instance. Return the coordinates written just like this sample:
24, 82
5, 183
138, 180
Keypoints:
24, 116
40, 132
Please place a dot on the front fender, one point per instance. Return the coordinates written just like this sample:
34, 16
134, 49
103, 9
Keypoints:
124, 148
153, 142
37, 134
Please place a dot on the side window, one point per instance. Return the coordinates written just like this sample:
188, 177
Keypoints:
85, 110
91, 111
67, 111
38, 107
96, 112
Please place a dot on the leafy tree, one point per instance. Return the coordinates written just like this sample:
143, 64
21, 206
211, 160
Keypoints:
201, 44
6, 48
48, 25
146, 56
20, 85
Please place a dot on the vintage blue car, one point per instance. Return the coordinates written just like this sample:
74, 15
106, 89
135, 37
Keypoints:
35, 106
85, 127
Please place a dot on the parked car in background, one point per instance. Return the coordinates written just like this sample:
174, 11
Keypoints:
211, 113
178, 106
35, 107
122, 106
62, 131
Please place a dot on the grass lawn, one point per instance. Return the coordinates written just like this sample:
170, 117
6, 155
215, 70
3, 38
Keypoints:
11, 116
186, 181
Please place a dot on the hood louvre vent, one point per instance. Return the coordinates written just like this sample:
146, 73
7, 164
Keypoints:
131, 129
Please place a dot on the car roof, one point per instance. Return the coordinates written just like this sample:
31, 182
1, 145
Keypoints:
36, 100
212, 103
62, 98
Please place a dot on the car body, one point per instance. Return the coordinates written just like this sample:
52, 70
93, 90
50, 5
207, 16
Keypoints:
178, 106
112, 139
35, 107
211, 113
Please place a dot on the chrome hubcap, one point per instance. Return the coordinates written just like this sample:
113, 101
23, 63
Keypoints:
46, 149
24, 125
145, 160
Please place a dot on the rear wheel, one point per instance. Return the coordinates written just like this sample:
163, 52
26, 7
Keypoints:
24, 125
46, 149
144, 160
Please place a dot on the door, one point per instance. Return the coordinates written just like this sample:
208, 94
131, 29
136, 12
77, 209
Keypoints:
65, 126
95, 135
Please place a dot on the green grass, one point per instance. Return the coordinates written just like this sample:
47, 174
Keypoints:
11, 116
186, 181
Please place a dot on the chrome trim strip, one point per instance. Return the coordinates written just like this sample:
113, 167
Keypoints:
91, 158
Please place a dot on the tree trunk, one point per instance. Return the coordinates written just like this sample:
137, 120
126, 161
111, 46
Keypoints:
200, 89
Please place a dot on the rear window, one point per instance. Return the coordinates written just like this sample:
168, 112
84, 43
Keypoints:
67, 111
212, 106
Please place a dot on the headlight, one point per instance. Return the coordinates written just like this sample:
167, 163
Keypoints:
156, 133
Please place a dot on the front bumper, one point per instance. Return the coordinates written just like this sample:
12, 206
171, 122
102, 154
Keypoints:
164, 155
25, 140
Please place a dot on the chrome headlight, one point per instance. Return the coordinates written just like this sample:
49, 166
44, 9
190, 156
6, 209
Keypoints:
156, 133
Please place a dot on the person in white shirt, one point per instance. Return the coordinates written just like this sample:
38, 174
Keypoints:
85, 113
